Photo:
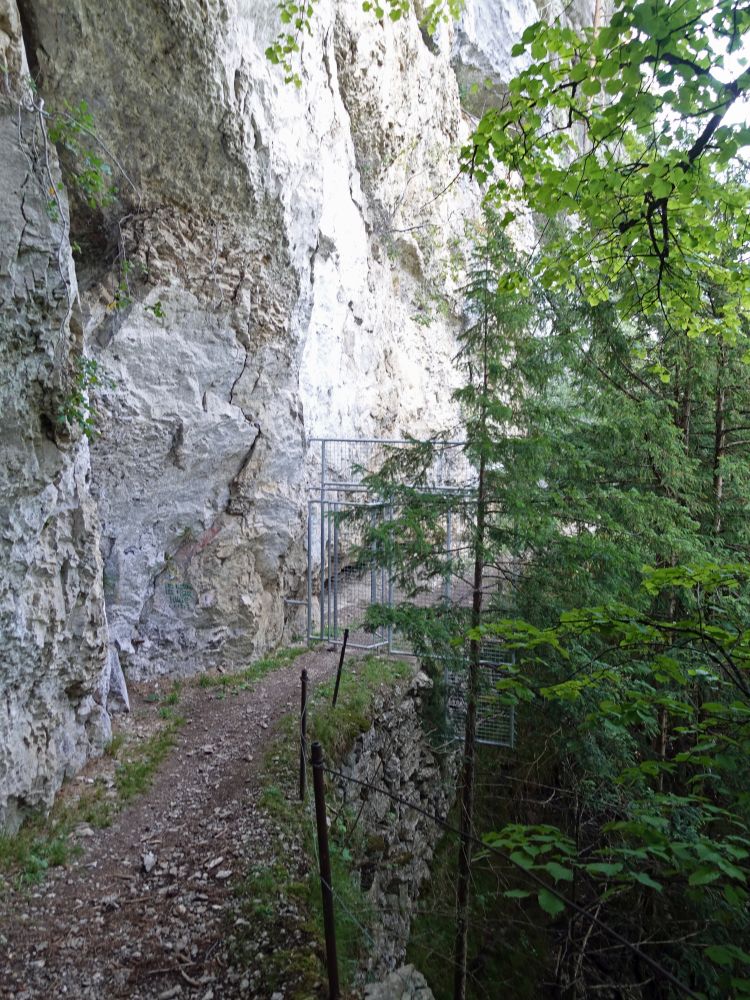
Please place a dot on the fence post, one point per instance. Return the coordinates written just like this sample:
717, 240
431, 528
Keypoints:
309, 570
341, 664
329, 564
448, 550
336, 580
303, 737
373, 567
321, 599
325, 871
389, 516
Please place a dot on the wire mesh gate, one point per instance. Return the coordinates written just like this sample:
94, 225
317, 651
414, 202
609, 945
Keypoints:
347, 581
345, 578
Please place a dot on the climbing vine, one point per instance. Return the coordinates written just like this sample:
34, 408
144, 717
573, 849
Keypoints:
89, 174
76, 407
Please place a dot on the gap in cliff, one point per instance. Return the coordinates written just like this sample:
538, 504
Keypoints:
30, 32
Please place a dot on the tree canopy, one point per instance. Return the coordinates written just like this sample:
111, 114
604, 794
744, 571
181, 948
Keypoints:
628, 133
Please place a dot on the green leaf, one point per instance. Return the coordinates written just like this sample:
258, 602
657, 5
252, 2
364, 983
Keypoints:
703, 876
531, 32
727, 954
550, 903
720, 955
558, 872
661, 189
646, 879
604, 868
522, 860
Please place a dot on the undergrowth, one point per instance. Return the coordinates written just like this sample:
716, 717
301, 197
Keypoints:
46, 842
337, 728
508, 949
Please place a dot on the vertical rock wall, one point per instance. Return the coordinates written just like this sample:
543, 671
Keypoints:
486, 32
52, 619
267, 275
399, 843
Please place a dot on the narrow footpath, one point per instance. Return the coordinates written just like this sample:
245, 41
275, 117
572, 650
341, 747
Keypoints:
148, 908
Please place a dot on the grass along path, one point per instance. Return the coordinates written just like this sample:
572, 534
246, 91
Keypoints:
50, 841
127, 770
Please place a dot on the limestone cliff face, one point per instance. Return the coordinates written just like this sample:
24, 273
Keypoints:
276, 266
290, 239
53, 639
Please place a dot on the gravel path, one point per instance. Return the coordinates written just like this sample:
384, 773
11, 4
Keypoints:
104, 926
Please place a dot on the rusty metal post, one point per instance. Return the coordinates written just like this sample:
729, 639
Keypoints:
303, 737
325, 872
341, 664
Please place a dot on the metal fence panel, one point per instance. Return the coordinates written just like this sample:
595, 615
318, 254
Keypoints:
344, 581
496, 722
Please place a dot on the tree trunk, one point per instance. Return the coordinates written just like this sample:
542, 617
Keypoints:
720, 435
468, 768
470, 731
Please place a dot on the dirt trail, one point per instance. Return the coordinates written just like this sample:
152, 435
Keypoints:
104, 927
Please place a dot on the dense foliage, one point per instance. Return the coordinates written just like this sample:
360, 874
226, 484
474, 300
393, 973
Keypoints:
630, 132
627, 447
599, 461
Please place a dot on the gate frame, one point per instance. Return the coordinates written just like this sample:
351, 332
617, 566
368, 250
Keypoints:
330, 507
328, 599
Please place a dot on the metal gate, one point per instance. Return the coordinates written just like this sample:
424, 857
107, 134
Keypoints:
345, 579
